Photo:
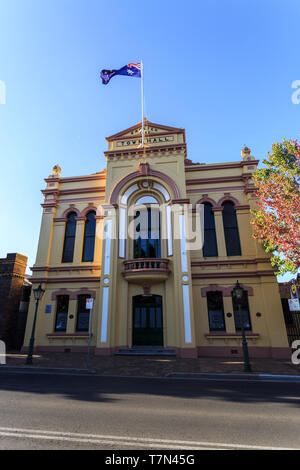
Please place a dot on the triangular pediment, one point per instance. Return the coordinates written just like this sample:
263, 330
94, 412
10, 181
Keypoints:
150, 129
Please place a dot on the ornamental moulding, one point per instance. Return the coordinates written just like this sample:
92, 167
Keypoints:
144, 170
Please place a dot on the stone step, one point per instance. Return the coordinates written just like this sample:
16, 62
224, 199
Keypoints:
145, 351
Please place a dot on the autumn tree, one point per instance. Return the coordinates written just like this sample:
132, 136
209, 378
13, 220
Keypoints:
276, 219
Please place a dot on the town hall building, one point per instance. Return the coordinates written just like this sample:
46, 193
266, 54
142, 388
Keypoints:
152, 289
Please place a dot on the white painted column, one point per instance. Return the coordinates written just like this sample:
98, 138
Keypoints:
185, 278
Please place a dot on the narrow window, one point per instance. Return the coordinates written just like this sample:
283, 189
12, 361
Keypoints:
245, 313
69, 242
83, 314
147, 233
210, 240
89, 237
231, 230
62, 307
215, 311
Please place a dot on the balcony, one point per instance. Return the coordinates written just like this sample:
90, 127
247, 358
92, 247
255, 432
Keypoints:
150, 270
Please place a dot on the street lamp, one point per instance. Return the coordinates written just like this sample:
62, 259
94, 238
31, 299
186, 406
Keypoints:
238, 294
38, 294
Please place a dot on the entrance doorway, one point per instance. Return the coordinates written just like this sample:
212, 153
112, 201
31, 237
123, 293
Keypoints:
147, 320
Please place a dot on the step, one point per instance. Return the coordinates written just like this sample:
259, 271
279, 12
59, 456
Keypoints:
145, 351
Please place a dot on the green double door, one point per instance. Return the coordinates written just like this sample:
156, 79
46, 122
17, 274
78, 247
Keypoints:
147, 320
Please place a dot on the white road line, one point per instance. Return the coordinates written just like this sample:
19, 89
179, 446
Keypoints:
125, 440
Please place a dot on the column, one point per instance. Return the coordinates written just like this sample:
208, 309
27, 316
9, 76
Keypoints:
220, 231
107, 284
185, 281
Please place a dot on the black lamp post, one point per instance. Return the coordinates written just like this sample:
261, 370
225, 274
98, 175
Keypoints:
238, 294
38, 294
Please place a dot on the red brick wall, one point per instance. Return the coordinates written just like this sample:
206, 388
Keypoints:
12, 275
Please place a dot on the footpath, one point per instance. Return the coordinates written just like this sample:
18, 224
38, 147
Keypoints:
153, 366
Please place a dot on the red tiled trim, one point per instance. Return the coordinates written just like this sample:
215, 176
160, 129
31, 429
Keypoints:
95, 189
180, 201
134, 151
229, 262
220, 179
226, 291
221, 166
81, 199
60, 280
214, 190
74, 179
218, 275
228, 197
73, 294
204, 199
236, 335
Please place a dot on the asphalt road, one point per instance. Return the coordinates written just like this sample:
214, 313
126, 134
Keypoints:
88, 412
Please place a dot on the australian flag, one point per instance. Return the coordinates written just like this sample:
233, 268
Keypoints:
130, 70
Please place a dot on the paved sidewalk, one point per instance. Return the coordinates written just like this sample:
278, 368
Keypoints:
153, 366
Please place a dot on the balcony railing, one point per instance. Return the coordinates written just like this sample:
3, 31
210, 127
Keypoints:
140, 268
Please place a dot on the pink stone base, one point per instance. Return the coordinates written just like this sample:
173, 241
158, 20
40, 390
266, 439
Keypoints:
200, 351
254, 351
184, 352
108, 351
58, 349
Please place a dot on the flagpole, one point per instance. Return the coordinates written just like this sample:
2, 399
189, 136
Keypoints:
142, 97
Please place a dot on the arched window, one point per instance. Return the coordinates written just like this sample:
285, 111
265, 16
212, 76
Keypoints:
89, 237
69, 242
215, 311
231, 230
210, 241
147, 233
146, 200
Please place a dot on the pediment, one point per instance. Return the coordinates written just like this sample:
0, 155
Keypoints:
151, 129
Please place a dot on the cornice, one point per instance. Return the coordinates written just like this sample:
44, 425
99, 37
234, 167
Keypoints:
220, 166
140, 152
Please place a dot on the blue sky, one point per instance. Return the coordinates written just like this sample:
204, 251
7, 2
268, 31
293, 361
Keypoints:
222, 69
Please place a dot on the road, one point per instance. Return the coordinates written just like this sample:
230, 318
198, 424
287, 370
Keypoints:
114, 413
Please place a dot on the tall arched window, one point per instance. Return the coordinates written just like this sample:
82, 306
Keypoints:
69, 242
231, 230
210, 241
89, 237
147, 229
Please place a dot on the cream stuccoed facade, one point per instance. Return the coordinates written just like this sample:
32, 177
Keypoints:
155, 291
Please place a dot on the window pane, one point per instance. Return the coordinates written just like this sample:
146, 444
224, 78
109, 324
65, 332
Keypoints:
215, 311
62, 312
68, 250
83, 314
69, 241
152, 317
147, 234
210, 239
89, 237
83, 322
245, 314
231, 231
158, 317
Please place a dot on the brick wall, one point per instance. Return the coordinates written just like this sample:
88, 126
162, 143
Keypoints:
12, 275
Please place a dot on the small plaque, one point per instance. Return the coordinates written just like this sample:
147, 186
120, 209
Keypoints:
48, 309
